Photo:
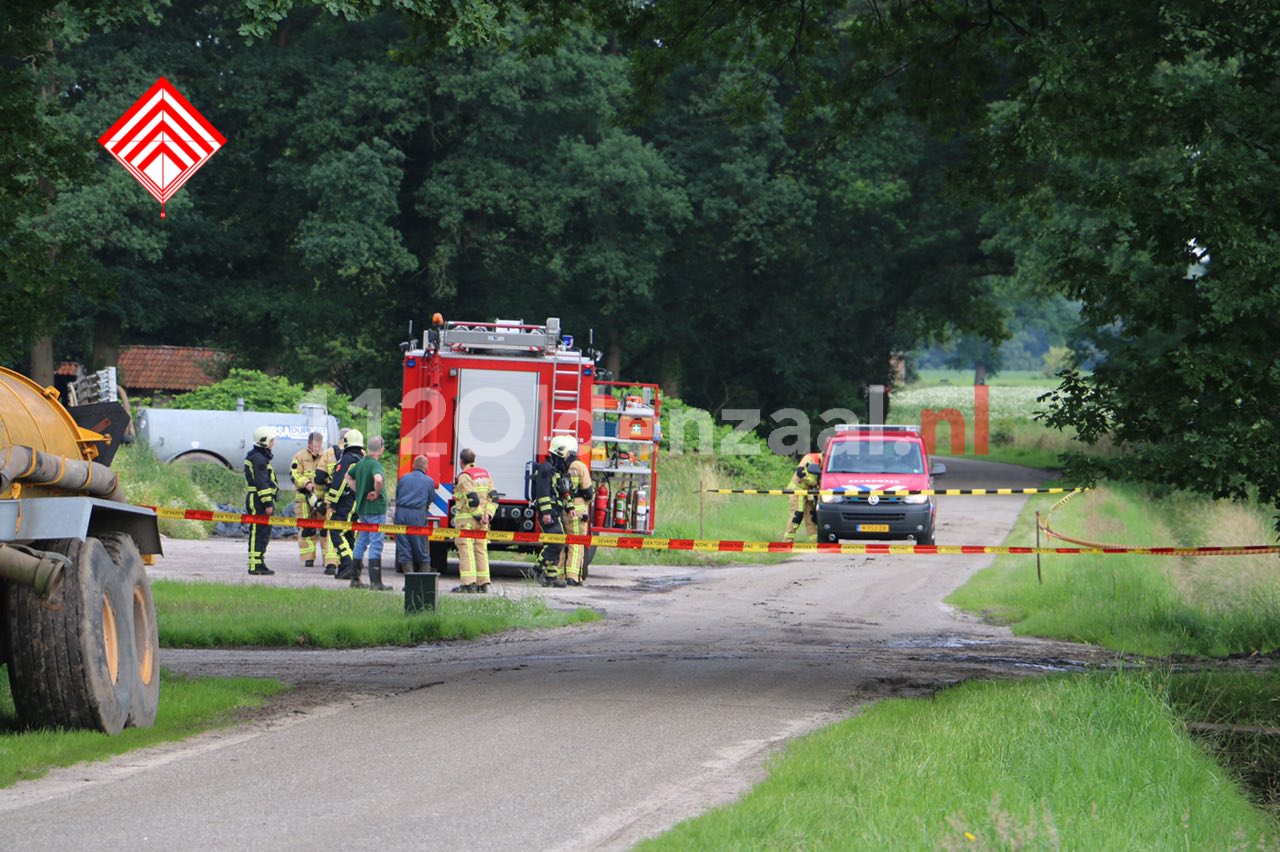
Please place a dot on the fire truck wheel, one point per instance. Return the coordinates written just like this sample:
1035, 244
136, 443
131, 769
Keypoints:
70, 656
438, 551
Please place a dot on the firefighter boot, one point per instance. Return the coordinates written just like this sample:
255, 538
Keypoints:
356, 569
345, 571
404, 568
375, 576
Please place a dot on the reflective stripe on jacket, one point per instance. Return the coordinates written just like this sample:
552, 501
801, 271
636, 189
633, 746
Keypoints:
260, 476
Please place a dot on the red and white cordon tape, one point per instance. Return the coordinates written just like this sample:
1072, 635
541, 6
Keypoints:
700, 545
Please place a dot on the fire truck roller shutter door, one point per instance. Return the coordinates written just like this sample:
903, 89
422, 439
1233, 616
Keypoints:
498, 418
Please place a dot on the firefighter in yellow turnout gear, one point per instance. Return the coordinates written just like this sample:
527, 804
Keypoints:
576, 519
473, 507
303, 473
804, 507
323, 477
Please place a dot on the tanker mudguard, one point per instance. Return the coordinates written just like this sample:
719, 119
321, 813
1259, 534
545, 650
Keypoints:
50, 518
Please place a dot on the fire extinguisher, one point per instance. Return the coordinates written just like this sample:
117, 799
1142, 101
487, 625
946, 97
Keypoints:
600, 516
620, 509
642, 509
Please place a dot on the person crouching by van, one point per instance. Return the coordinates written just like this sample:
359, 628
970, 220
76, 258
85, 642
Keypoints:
804, 507
414, 492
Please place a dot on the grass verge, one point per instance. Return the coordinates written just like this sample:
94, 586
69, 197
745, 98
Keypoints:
150, 482
211, 615
1075, 762
1209, 606
187, 707
684, 510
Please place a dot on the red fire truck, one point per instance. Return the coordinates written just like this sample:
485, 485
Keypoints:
505, 389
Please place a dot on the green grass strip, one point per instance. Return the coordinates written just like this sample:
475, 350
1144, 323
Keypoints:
187, 707
1075, 762
211, 615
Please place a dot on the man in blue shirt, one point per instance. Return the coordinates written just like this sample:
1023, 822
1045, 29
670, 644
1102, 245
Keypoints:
413, 494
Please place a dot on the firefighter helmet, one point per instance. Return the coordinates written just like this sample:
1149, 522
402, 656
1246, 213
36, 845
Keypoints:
563, 446
263, 436
353, 438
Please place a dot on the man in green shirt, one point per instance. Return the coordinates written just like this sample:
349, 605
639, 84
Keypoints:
371, 508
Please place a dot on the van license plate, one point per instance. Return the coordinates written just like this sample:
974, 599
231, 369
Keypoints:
873, 527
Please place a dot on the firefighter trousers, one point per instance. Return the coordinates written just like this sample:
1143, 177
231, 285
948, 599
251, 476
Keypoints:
473, 553
307, 539
575, 554
342, 541
549, 558
259, 535
804, 509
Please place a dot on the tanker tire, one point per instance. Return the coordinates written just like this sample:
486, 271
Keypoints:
143, 629
202, 458
70, 659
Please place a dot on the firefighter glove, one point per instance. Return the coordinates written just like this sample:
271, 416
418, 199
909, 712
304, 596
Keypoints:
546, 519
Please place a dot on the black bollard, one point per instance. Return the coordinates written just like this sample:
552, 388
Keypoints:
420, 591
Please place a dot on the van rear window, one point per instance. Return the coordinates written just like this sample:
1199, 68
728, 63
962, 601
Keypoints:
875, 457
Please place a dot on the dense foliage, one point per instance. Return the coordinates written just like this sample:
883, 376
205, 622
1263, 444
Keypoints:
368, 182
894, 172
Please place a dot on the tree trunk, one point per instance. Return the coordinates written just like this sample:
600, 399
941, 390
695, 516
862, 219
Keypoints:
613, 348
106, 342
979, 374
669, 374
42, 361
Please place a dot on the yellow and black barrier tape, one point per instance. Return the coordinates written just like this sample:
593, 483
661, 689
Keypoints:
636, 542
892, 492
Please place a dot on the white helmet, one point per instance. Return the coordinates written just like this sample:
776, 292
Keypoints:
563, 446
353, 438
263, 436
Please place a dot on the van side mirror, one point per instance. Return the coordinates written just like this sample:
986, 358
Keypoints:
815, 469
937, 469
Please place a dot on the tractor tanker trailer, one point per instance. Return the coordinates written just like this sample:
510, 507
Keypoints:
77, 620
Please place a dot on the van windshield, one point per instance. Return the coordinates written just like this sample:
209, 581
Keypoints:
875, 457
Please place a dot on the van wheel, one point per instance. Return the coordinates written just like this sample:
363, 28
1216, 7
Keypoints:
71, 658
925, 538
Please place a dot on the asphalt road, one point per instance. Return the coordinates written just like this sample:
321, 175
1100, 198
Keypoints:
581, 738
